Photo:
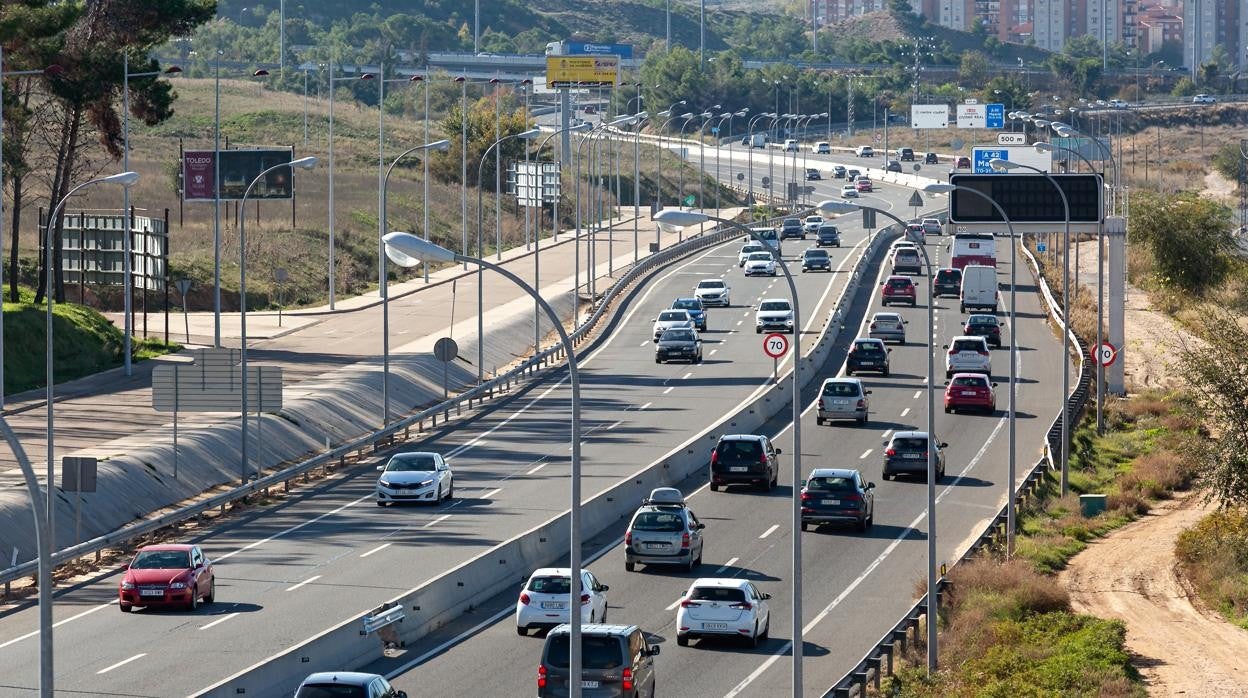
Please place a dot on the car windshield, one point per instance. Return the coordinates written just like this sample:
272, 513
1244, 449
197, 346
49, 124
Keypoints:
686, 304
331, 690
834, 483
868, 348
759, 256
550, 585
774, 305
672, 316
968, 345
969, 382
710, 284
815, 254
722, 594
162, 560
677, 336
847, 187
910, 443
411, 462
597, 652
841, 389
662, 521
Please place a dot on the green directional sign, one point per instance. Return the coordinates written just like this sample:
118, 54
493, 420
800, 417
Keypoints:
690, 199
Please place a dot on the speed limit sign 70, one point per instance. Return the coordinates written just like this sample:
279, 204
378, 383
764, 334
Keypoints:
1106, 353
775, 345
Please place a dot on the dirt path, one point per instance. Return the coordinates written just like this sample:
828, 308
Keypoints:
1181, 648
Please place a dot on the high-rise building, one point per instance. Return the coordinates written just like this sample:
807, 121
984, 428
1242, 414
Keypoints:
1156, 25
1049, 26
1210, 23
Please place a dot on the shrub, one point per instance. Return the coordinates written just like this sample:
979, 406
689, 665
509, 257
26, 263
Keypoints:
1213, 554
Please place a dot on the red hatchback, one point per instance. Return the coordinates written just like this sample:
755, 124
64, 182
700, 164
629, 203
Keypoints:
167, 575
970, 391
897, 289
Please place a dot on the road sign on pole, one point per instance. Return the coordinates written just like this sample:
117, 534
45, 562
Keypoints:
775, 345
445, 350
1106, 353
915, 199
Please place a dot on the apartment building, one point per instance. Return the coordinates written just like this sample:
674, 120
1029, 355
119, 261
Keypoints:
1158, 24
1210, 23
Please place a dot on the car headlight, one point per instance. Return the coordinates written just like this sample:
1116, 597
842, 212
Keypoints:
383, 483
178, 585
426, 483
127, 585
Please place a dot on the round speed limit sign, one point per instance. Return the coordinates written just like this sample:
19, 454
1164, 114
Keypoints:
775, 345
1106, 353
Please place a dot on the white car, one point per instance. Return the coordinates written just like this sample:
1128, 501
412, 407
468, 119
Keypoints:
810, 225
774, 314
714, 607
712, 292
790, 144
1204, 99
968, 354
761, 263
748, 249
420, 476
821, 148
1118, 104
670, 320
849, 191
543, 601
864, 151
902, 243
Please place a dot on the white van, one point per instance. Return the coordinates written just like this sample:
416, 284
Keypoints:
979, 287
790, 144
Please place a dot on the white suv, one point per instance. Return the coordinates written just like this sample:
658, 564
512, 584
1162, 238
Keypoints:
712, 292
774, 314
968, 354
864, 151
719, 607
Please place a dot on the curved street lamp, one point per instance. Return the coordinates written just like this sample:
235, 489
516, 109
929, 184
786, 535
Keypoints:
750, 157
658, 159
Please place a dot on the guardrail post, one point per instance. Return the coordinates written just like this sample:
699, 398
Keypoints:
888, 649
874, 663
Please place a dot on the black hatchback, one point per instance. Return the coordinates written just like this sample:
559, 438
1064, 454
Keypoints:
867, 355
984, 325
948, 282
745, 459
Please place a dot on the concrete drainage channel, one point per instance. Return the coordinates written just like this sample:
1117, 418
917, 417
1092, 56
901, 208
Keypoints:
441, 599
881, 659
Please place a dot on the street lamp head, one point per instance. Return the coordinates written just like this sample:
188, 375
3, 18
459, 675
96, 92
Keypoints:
304, 163
407, 250
706, 115
1065, 131
743, 112
725, 115
125, 179
681, 102
171, 70
622, 121
832, 207
526, 135
366, 76
416, 78
675, 218
938, 188
687, 115
583, 126
1042, 147
54, 70
642, 115
442, 145
1001, 164
1041, 123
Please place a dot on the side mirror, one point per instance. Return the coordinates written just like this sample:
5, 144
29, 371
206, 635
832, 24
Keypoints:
126, 566
778, 451
381, 467
603, 587
701, 526
803, 483
870, 485
944, 445
905, 322
401, 694
766, 596
944, 346
994, 385
654, 650
868, 392
890, 350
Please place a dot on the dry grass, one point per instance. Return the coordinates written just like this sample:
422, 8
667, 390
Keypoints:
1213, 556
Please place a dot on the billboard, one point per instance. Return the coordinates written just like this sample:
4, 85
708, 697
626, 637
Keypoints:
581, 48
238, 169
972, 116
982, 155
586, 71
929, 116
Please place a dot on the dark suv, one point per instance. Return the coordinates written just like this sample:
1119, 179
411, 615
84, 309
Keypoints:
744, 458
948, 282
867, 355
792, 228
616, 660
828, 235
837, 495
906, 453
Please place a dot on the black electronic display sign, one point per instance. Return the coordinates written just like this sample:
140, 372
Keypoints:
1026, 198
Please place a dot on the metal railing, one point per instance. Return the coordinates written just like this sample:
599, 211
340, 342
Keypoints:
881, 657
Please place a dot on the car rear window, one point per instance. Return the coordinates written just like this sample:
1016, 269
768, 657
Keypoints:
661, 521
910, 443
969, 382
900, 283
981, 320
792, 222
830, 484
550, 585
738, 450
968, 345
717, 594
331, 690
597, 652
949, 275
906, 252
841, 389
868, 348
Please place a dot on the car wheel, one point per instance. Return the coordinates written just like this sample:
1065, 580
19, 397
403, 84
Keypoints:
863, 419
657, 360
605, 606
767, 485
522, 632
125, 607
766, 628
963, 307
629, 567
887, 476
818, 421
754, 637
861, 526
689, 565
380, 503
758, 330
211, 596
682, 640
438, 499
805, 526
714, 487
194, 603
698, 562
948, 409
849, 371
886, 373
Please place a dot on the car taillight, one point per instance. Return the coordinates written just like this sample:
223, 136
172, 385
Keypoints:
626, 681
541, 676
684, 540
628, 538
891, 452
873, 325
524, 599
925, 455
862, 404
714, 457
584, 599
820, 403
744, 606
984, 353
806, 496
762, 458
952, 352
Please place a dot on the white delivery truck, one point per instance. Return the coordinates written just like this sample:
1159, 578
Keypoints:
758, 140
979, 287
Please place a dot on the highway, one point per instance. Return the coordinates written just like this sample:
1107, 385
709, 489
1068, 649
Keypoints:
856, 586
291, 570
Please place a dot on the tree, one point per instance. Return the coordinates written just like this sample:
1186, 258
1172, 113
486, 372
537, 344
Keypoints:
1184, 87
1228, 160
446, 166
1216, 370
1188, 237
973, 69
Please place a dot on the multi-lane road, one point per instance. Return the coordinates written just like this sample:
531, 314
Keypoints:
327, 554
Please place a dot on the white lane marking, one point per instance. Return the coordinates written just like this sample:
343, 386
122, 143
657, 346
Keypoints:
479, 441
294, 528
739, 322
665, 392
491, 493
437, 521
123, 662
644, 406
379, 548
918, 394
712, 352
219, 621
672, 606
866, 453
534, 470
731, 561
769, 531
905, 412
686, 376
59, 623
618, 422
309, 580
645, 343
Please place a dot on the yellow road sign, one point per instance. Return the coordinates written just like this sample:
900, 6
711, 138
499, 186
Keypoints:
582, 70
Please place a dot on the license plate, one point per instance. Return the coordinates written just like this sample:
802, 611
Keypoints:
738, 469
552, 605
831, 502
840, 402
653, 546
151, 592
915, 456
589, 684
968, 392
868, 363
714, 626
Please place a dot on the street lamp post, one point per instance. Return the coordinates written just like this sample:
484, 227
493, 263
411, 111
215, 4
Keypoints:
43, 546
303, 164
554, 219
384, 289
332, 261
682, 219
127, 282
680, 194
658, 155
750, 158
408, 250
718, 148
526, 135
706, 116
641, 117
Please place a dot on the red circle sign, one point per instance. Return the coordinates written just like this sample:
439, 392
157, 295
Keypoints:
775, 345
1106, 353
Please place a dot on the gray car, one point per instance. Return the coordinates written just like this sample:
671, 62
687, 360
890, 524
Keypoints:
348, 684
906, 454
889, 327
663, 534
616, 660
843, 398
837, 495
679, 345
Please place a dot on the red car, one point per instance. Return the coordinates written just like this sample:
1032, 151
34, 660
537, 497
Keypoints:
897, 289
970, 391
167, 575
963, 163
863, 185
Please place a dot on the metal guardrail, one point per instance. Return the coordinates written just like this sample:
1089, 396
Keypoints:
383, 437
880, 658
